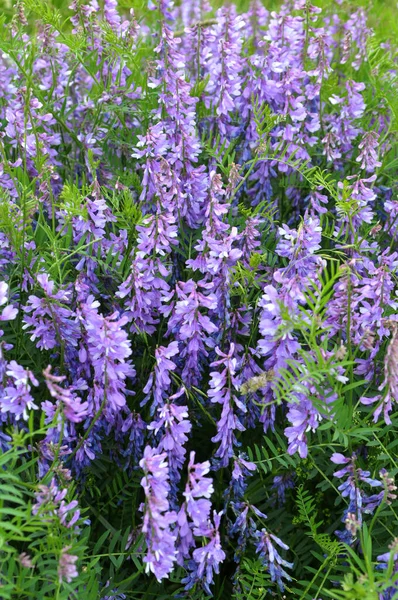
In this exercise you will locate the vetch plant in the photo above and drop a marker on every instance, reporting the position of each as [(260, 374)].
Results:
[(198, 299)]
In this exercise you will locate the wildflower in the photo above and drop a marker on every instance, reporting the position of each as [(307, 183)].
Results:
[(8, 313), (108, 349), (357, 26), (144, 289), (346, 47), (67, 569), (111, 14), (192, 327), (271, 558), (352, 523), (157, 234), (174, 424), (74, 410), (243, 468), (303, 418), (222, 386), (389, 487), (195, 510), (16, 398), (359, 501), (26, 560), (389, 386), (159, 381), (282, 483), (384, 561), (192, 216), (160, 540), (224, 66), (51, 500), (207, 559), (50, 319), (115, 595), (300, 246), (368, 155)]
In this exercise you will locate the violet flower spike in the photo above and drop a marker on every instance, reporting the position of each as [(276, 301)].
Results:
[(160, 539)]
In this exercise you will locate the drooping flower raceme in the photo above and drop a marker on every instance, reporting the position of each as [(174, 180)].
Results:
[(274, 563), (173, 426), (74, 409), (16, 398), (194, 513), (192, 327), (359, 501), (207, 559), (389, 386), (49, 319), (159, 382), (223, 390), (160, 540), (108, 349), (50, 500), (67, 569)]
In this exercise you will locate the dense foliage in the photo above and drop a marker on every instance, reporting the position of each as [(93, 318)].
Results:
[(198, 290)]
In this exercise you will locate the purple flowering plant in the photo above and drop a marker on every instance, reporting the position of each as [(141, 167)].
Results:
[(198, 299)]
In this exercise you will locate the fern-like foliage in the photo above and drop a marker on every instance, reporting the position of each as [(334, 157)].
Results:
[(252, 581)]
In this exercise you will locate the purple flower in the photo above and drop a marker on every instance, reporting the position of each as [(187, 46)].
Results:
[(218, 251), (133, 429), (144, 288), (389, 386), (223, 386), (50, 501), (250, 238), (157, 234), (389, 487), (115, 595), (359, 501), (73, 408), (243, 469), (282, 483), (303, 418), (206, 560), (273, 562), (108, 349), (26, 560), (174, 426), (243, 528), (83, 13), (165, 8), (368, 155), (359, 30), (300, 246), (176, 223), (278, 342), (384, 561), (160, 540), (15, 398), (67, 569), (192, 327), (20, 114), (195, 510), (8, 312), (159, 381), (224, 66), (111, 14), (50, 319), (152, 147)]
